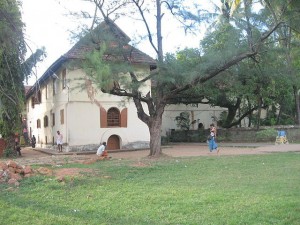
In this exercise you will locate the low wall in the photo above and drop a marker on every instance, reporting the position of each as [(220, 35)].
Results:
[(235, 135)]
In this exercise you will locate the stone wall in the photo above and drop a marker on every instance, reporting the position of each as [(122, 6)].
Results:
[(264, 134)]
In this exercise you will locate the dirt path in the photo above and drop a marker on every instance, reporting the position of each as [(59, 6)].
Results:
[(34, 157), (30, 157)]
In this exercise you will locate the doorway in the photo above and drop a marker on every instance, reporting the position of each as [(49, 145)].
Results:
[(113, 142)]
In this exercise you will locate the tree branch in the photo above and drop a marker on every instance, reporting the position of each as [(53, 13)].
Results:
[(136, 2), (235, 60)]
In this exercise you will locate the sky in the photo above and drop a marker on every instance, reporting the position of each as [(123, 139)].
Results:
[(48, 25)]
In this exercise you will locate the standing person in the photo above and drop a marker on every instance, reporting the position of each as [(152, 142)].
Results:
[(16, 139), (101, 151), (59, 141), (18, 149), (25, 134), (17, 145), (212, 145), (33, 141)]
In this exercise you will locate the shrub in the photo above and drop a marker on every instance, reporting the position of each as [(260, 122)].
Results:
[(266, 134)]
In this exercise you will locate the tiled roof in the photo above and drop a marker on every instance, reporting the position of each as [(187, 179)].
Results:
[(118, 45), (127, 53), (108, 31)]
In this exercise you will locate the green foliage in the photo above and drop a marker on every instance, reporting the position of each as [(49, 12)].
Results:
[(107, 74), (222, 118), (195, 136), (8, 152), (259, 82), (254, 189), (266, 133), (14, 69), (272, 118), (165, 140), (12, 52), (223, 42)]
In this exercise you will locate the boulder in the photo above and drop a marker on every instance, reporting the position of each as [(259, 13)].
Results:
[(11, 172), (12, 164), (3, 166)]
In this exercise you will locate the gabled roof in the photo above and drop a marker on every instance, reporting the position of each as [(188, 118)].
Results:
[(109, 33), (107, 30)]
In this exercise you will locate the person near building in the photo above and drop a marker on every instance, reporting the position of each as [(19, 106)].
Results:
[(25, 134), (102, 152), (59, 141), (33, 141)]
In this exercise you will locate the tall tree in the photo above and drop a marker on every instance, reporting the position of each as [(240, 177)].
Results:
[(287, 37), (169, 79), (14, 69)]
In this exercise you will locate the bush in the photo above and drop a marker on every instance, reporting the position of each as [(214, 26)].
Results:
[(9, 152), (267, 134), (164, 140)]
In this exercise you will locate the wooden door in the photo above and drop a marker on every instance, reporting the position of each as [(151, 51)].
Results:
[(113, 143)]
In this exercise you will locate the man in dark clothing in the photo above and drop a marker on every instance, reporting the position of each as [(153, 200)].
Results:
[(33, 141)]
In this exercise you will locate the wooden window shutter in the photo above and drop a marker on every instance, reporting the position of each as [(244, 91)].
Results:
[(62, 119), (124, 117), (103, 118)]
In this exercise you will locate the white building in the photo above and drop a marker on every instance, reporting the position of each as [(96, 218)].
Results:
[(65, 100)]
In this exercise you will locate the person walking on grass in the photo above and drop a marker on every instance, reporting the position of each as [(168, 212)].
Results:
[(59, 141), (212, 144)]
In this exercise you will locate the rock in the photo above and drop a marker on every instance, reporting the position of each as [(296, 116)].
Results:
[(12, 169), (28, 175), (12, 173), (27, 170), (12, 164), (5, 175), (45, 171), (19, 171), (3, 166), (13, 181), (15, 176)]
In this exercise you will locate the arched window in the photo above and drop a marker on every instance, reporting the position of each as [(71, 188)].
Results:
[(113, 117), (122, 117), (45, 121)]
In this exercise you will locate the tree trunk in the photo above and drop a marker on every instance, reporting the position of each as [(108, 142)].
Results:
[(155, 136), (297, 104), (230, 116), (258, 112), (153, 120)]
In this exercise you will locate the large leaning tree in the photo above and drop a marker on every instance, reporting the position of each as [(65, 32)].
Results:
[(14, 68), (171, 78), (261, 82)]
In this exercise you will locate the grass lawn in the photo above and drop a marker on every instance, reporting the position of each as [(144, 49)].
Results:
[(247, 189)]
